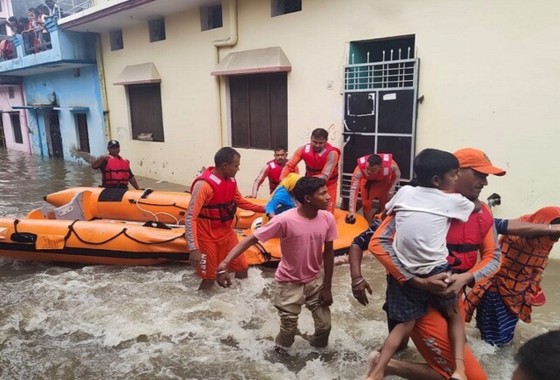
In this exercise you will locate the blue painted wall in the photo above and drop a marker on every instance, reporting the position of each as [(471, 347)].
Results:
[(69, 91)]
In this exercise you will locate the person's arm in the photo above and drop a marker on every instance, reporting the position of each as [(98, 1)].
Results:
[(354, 189), (133, 182), (330, 166), (292, 164), (258, 181), (221, 272), (325, 297), (245, 204), (381, 246), (201, 192), (357, 282), (521, 228), (99, 161), (397, 178)]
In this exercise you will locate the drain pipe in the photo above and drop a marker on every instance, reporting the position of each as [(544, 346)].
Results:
[(231, 41), (103, 87)]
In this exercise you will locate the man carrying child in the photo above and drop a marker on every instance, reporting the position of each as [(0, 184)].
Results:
[(423, 215)]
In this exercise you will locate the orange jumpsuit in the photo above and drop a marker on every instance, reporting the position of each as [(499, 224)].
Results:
[(214, 242), (382, 189), (430, 332)]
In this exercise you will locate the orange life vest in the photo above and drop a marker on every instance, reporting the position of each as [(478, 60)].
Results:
[(464, 239), (384, 171), (221, 208), (274, 171), (315, 162), (116, 172)]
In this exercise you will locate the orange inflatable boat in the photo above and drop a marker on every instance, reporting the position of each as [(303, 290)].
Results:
[(88, 230), (114, 242), (136, 205)]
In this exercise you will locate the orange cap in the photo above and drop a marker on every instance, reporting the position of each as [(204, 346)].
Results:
[(477, 160)]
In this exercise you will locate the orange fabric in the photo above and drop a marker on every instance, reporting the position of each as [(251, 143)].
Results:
[(370, 190), (430, 332), (202, 229), (431, 339), (329, 170), (213, 252), (523, 261)]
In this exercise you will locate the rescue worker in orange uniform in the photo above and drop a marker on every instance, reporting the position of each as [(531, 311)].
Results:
[(114, 168), (466, 242), (321, 160), (210, 215), (272, 171), (376, 176)]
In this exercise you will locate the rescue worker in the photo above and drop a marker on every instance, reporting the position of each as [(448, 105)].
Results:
[(375, 177), (474, 256), (210, 215), (272, 171), (115, 170), (321, 160)]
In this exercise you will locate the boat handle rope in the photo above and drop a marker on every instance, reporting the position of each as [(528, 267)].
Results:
[(72, 230), (262, 250), (155, 214)]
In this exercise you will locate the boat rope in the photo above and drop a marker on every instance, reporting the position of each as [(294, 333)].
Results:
[(262, 250), (72, 230), (155, 214)]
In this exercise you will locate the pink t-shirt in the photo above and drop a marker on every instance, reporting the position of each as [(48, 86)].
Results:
[(302, 241)]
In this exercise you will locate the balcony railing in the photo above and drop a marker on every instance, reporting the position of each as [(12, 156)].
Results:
[(69, 7)]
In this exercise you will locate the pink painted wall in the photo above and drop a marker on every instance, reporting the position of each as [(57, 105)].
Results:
[(8, 99)]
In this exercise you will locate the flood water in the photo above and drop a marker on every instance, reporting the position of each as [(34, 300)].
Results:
[(101, 322)]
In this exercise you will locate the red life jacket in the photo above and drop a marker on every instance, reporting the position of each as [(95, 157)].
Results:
[(384, 171), (221, 208), (116, 172), (274, 171), (315, 162), (464, 239)]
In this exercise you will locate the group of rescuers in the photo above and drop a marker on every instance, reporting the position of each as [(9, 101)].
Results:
[(448, 242)]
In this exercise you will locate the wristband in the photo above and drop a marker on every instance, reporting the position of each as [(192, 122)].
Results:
[(358, 283), (221, 272)]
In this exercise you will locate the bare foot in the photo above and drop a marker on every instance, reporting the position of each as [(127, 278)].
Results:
[(372, 360)]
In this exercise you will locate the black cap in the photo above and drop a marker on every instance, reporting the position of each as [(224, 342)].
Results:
[(113, 143)]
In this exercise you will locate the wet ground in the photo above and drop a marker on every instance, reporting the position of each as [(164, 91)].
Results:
[(101, 322)]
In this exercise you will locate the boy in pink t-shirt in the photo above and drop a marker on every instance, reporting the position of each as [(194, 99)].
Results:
[(306, 238)]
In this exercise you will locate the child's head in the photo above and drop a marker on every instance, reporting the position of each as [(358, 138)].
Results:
[(436, 168), (312, 191)]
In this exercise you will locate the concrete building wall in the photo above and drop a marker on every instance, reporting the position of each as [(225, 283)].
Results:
[(70, 92), (11, 96), (488, 76)]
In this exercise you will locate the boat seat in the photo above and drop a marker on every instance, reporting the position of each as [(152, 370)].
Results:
[(75, 209)]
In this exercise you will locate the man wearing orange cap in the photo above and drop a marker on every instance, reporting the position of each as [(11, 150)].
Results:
[(465, 241)]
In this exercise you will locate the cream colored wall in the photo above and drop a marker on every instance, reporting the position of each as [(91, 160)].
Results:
[(488, 74)]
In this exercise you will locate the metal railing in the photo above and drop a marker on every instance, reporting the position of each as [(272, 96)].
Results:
[(69, 7)]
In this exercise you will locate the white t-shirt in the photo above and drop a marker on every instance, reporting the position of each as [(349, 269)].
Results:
[(423, 216)]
